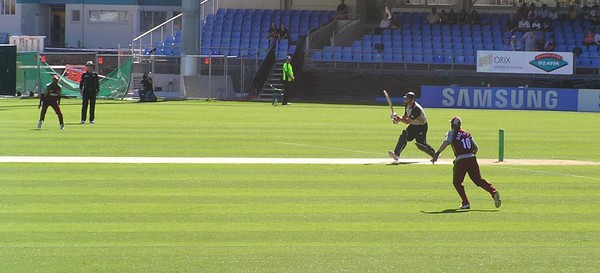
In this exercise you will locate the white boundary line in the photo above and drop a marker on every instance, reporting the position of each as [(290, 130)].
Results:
[(252, 160)]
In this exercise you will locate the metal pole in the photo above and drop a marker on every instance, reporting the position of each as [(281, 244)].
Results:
[(209, 74), (226, 75), (501, 145)]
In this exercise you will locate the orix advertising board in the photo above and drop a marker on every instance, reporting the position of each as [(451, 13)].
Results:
[(557, 63)]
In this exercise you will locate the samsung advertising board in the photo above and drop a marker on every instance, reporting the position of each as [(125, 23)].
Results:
[(548, 63), (471, 97)]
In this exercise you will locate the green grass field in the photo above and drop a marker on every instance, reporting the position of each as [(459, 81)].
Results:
[(64, 217)]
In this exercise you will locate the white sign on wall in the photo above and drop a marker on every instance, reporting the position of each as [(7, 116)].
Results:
[(589, 100), (557, 63)]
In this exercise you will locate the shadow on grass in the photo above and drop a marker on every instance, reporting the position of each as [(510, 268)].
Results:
[(402, 163), (459, 211), (392, 163)]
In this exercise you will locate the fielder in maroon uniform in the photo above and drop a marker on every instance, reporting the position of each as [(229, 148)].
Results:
[(51, 98), (465, 149)]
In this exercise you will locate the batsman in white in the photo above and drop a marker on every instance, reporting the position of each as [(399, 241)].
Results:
[(414, 116)]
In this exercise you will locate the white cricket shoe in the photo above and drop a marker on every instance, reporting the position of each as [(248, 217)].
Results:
[(62, 126), (40, 124), (83, 121), (92, 122), (466, 206), (393, 155), (497, 201)]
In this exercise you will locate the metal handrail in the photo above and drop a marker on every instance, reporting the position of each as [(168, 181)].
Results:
[(157, 27), (215, 5)]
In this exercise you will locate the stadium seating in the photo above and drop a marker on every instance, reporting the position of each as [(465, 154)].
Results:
[(418, 42), (243, 32)]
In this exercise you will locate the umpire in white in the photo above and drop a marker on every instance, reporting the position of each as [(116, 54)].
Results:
[(414, 116)]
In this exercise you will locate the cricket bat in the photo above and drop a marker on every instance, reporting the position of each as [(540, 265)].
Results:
[(389, 101)]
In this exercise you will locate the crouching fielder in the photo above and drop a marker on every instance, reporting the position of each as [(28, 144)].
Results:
[(50, 97), (465, 149)]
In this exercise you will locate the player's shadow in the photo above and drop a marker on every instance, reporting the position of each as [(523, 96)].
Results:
[(402, 162), (459, 211)]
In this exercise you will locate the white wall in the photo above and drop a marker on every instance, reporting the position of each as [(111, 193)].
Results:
[(10, 24), (33, 19), (106, 35)]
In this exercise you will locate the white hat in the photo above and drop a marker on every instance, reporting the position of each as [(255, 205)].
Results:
[(288, 57), (89, 63), (409, 95)]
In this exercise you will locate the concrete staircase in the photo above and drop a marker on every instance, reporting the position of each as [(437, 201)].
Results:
[(266, 93)]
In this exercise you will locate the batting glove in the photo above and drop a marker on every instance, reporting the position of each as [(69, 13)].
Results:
[(394, 116)]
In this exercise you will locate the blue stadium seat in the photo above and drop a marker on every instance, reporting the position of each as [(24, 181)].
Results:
[(317, 56), (347, 54), (469, 59)]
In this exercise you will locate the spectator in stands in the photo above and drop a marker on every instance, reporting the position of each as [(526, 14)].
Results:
[(523, 10), (433, 17), (545, 25), (342, 11), (452, 17), (386, 10), (273, 32), (385, 22), (283, 32), (515, 44), (553, 15), (396, 22), (532, 13), (475, 19), (585, 14), (595, 15), (463, 17), (597, 38), (512, 24), (537, 25), (443, 17), (550, 44), (588, 38), (572, 13), (529, 40), (506, 46), (524, 25), (543, 13), (540, 43)]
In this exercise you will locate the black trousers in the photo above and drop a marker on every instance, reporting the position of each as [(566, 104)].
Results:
[(412, 132), (287, 90), (91, 100)]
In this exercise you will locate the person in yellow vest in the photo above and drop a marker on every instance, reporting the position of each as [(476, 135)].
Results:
[(288, 78)]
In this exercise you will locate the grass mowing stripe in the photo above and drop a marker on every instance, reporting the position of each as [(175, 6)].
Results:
[(328, 148), (289, 218), (553, 173)]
